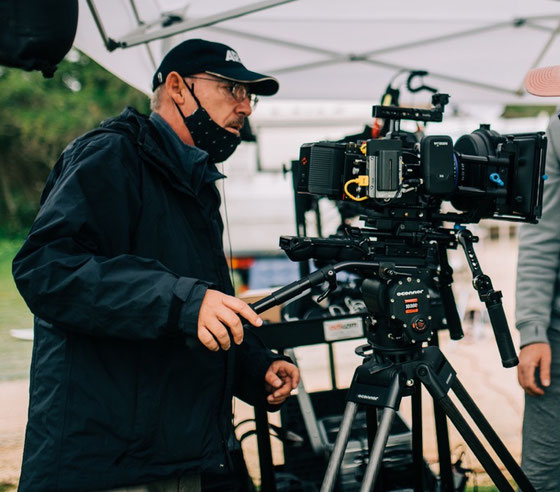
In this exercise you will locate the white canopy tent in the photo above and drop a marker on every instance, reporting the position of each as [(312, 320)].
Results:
[(322, 49), (324, 52)]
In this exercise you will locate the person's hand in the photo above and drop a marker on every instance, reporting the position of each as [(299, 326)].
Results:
[(531, 357), (280, 379), (218, 314)]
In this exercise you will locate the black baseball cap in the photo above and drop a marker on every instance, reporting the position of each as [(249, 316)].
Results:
[(198, 56)]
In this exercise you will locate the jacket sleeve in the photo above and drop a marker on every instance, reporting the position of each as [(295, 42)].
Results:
[(252, 361), (75, 269), (539, 253)]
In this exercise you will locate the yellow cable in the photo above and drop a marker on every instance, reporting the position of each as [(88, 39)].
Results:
[(363, 180), (363, 148), (360, 181), (387, 100)]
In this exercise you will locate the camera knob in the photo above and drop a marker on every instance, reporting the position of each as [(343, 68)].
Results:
[(420, 325)]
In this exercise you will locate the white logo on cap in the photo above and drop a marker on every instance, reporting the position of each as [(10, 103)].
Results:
[(232, 56)]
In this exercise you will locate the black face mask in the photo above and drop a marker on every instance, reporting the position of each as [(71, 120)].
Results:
[(208, 135)]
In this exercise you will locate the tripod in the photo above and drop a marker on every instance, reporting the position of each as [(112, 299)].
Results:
[(397, 363), (381, 382)]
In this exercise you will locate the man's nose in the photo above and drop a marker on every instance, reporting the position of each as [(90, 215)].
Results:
[(244, 107)]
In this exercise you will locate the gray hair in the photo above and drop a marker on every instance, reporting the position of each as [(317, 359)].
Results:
[(155, 101)]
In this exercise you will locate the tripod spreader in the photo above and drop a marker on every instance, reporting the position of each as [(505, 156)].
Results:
[(492, 299)]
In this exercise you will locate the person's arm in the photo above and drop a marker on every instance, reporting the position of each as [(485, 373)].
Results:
[(219, 323), (261, 373), (534, 357), (281, 378), (75, 271), (537, 273)]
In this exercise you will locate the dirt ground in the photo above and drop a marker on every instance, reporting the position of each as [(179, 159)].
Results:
[(13, 415)]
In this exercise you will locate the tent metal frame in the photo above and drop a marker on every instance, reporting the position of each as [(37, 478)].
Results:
[(170, 24)]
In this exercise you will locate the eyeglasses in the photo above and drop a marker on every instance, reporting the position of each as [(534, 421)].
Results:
[(238, 91)]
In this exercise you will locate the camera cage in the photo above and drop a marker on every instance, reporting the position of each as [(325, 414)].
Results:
[(484, 175)]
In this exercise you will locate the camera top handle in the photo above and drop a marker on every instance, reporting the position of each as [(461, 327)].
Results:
[(414, 114)]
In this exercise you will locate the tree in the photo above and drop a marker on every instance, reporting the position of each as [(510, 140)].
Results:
[(39, 117)]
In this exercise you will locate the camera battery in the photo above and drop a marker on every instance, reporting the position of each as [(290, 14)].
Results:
[(384, 158)]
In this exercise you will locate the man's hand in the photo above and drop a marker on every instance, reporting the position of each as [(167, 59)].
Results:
[(281, 378), (531, 357), (218, 313)]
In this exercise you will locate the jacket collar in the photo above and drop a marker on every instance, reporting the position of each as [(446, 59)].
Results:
[(153, 150)]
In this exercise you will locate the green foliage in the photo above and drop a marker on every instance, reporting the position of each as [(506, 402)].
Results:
[(39, 117), (15, 355), (518, 111)]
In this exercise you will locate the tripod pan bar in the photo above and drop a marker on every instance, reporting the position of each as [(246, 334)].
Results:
[(327, 273)]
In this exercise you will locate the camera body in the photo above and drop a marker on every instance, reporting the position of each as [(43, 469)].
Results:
[(483, 175)]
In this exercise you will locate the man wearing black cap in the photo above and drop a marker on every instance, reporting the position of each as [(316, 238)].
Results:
[(538, 311), (138, 342)]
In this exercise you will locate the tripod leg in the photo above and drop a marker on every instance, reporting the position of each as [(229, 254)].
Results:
[(492, 438), (474, 443), (442, 432), (444, 452), (382, 435), (417, 445), (372, 426), (447, 483), (339, 447), (379, 443), (438, 376), (371, 422)]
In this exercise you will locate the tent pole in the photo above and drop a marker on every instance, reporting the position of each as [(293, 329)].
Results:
[(98, 23), (130, 40)]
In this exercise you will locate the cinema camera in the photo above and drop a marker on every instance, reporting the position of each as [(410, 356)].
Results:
[(398, 185), (484, 175)]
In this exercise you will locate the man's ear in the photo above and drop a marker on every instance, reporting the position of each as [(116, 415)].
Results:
[(175, 87)]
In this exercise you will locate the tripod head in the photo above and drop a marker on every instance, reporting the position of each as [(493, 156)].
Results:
[(406, 274)]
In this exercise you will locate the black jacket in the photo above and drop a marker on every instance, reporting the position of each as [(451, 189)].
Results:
[(115, 268)]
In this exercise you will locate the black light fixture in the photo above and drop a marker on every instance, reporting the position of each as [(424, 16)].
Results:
[(37, 34)]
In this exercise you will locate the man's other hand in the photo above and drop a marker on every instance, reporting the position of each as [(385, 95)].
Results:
[(281, 378), (532, 357), (218, 314)]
